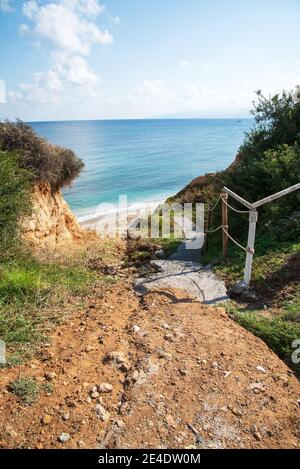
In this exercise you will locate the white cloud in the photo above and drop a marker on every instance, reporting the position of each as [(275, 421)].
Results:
[(151, 90), (69, 28), (72, 75), (64, 25), (184, 64), (116, 20), (2, 92), (89, 8), (24, 29), (5, 6), (195, 92)]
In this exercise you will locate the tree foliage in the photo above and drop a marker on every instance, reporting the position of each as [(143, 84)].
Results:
[(269, 159), (44, 161)]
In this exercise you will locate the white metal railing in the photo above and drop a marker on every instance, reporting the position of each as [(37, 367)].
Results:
[(253, 217)]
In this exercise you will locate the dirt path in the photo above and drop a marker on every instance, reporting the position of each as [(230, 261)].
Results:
[(183, 375)]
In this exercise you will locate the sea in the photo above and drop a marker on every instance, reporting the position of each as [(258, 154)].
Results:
[(143, 160)]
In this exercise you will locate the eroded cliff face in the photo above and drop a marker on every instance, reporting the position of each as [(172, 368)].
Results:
[(52, 221)]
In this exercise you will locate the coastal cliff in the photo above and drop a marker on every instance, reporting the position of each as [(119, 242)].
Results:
[(52, 221), (33, 172)]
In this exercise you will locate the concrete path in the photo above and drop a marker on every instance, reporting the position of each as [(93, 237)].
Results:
[(183, 271)]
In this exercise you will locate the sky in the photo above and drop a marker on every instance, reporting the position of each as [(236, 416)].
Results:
[(84, 59)]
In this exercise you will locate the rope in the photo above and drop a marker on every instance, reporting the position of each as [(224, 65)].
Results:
[(233, 240), (213, 208), (213, 231), (235, 209)]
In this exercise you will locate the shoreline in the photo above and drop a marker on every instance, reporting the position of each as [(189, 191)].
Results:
[(135, 210)]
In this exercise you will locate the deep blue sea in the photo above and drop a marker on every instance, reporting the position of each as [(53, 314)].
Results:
[(147, 160)]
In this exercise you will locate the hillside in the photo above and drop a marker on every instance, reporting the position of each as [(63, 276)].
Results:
[(91, 364), (267, 162)]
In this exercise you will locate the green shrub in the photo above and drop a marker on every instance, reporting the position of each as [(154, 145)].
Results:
[(269, 159), (26, 388), (14, 198), (45, 162)]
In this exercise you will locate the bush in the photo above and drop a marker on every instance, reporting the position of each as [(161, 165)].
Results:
[(44, 161), (269, 159), (14, 198)]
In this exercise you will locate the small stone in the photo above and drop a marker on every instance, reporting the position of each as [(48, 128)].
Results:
[(80, 444), (182, 371), (50, 376), (11, 432), (94, 395), (256, 387), (102, 413), (257, 436), (124, 367), (169, 337), (170, 421), (120, 423), (238, 288), (236, 411), (136, 329), (160, 253), (66, 416), (105, 387), (215, 365), (161, 353), (47, 419), (64, 437), (115, 356), (261, 369), (165, 326)]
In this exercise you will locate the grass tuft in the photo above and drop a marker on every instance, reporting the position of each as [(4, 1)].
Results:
[(26, 389)]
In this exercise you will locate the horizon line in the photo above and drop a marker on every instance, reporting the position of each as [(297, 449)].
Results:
[(136, 119)]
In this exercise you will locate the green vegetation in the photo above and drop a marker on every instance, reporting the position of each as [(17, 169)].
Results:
[(14, 199), (268, 161), (141, 250), (36, 294), (26, 388), (169, 245), (44, 162), (278, 332)]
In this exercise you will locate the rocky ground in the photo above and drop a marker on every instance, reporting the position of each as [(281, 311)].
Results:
[(157, 371)]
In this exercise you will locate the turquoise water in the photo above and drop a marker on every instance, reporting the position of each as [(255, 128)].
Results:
[(148, 160)]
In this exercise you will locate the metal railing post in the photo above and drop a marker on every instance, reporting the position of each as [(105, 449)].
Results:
[(224, 197), (253, 215)]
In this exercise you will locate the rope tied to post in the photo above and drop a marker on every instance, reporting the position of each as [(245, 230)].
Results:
[(233, 240)]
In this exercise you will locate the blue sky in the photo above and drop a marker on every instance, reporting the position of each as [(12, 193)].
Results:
[(84, 59)]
